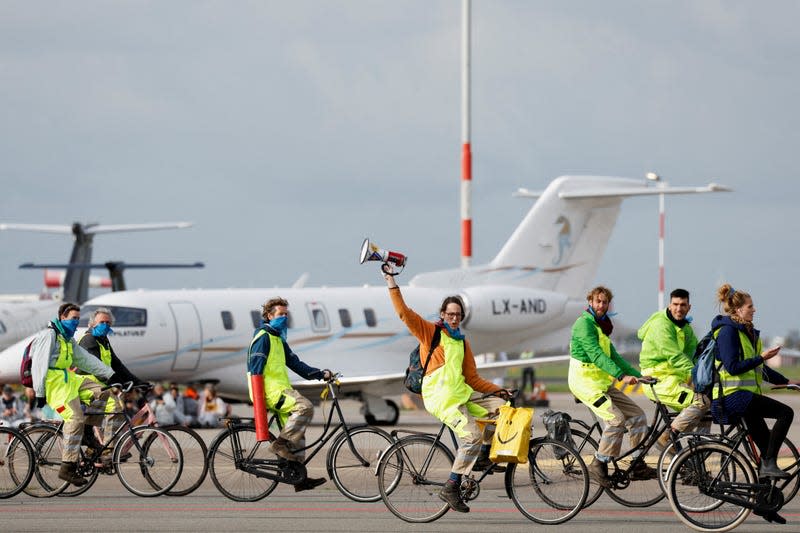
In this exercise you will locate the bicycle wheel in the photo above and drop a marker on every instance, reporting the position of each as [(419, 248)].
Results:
[(155, 463), (586, 447), (787, 460), (703, 466), (410, 475), (195, 467), (17, 462), (640, 493), (351, 476), (226, 455), (48, 447), (556, 476)]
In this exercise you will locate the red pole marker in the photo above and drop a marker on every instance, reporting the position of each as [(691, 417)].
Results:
[(259, 408)]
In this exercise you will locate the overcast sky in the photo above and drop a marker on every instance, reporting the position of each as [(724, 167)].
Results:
[(289, 131)]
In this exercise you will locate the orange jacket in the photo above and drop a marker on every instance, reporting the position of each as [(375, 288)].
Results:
[(423, 331)]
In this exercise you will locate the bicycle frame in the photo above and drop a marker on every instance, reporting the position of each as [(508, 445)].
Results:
[(661, 423)]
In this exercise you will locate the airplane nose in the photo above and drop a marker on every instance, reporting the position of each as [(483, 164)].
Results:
[(10, 359)]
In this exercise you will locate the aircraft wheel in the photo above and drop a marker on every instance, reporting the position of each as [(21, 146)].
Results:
[(394, 416)]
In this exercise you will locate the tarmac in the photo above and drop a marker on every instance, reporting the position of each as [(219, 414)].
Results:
[(108, 506)]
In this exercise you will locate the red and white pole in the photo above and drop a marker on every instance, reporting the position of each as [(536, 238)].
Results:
[(466, 150), (661, 223)]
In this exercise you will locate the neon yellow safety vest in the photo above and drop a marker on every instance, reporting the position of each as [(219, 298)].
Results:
[(748, 381), (587, 381), (105, 353), (61, 384), (276, 377), (445, 389)]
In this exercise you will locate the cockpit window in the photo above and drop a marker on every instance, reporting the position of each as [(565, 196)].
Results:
[(124, 317)]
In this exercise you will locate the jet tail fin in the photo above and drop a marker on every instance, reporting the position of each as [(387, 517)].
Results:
[(560, 242)]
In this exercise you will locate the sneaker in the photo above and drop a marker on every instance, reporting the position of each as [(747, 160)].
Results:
[(281, 449), (483, 463), (642, 472), (598, 472), (452, 496), (309, 483)]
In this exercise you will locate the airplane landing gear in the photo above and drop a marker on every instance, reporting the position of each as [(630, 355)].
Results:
[(379, 411)]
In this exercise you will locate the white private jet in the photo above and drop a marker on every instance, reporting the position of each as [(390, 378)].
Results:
[(524, 299), (23, 315)]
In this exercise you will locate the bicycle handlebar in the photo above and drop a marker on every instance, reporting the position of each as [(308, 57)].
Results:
[(789, 386)]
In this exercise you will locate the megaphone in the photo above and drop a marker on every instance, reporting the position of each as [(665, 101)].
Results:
[(372, 252)]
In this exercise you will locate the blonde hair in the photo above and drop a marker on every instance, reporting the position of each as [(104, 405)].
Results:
[(731, 299), (599, 290)]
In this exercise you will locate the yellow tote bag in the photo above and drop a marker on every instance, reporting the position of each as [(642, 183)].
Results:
[(513, 434)]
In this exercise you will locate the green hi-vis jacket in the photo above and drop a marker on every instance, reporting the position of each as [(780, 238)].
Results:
[(667, 349), (590, 345)]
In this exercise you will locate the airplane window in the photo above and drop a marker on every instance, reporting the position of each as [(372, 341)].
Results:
[(129, 317), (369, 315), (227, 319), (320, 320), (2, 327), (256, 317), (344, 317)]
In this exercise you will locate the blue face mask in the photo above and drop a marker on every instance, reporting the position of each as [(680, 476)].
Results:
[(101, 330), (280, 325), (70, 326)]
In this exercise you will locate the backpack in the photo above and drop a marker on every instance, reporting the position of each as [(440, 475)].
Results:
[(705, 370), (415, 371), (25, 371)]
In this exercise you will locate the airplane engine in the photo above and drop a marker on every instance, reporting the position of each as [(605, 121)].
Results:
[(507, 308)]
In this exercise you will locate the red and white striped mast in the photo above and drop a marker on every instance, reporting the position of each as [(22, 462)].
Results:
[(466, 151)]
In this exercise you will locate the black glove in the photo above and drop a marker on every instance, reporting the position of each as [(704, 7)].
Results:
[(40, 402), (116, 378)]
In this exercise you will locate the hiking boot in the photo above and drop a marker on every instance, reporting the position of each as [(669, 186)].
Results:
[(483, 463), (309, 483), (280, 448), (642, 472), (67, 473), (769, 468), (598, 472), (452, 496)]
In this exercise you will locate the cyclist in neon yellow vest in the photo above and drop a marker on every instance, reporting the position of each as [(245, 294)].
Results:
[(593, 367), (95, 341), (668, 346), (743, 370), (269, 355), (54, 353), (452, 390)]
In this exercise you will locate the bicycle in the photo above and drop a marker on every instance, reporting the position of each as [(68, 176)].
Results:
[(737, 437), (193, 448), (17, 462), (138, 452), (414, 469), (648, 492), (245, 470), (713, 486)]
